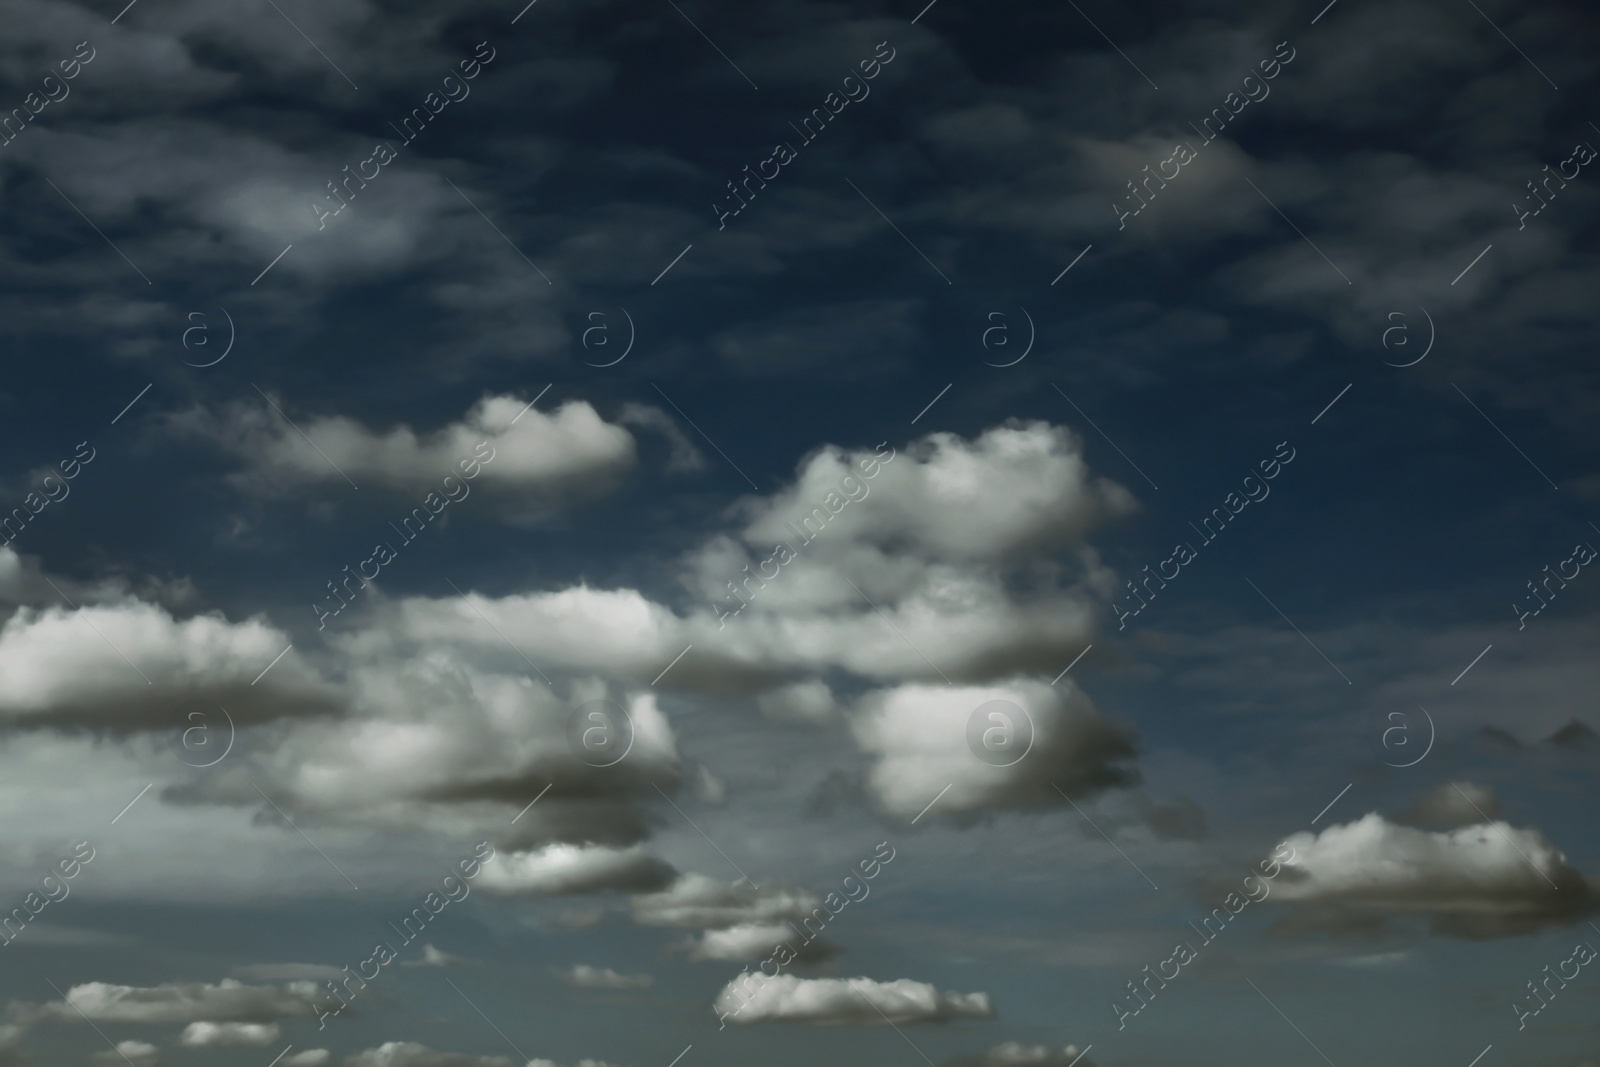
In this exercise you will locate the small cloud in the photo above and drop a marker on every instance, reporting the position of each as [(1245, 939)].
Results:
[(138, 1053), (586, 977), (208, 1034), (831, 1001)]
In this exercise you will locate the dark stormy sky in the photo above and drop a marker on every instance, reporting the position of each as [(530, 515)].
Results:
[(650, 532)]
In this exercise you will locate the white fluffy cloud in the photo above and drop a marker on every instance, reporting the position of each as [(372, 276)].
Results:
[(586, 977), (563, 868), (203, 1034), (227, 1001), (567, 449), (131, 665), (847, 1000), (923, 735), (1481, 880)]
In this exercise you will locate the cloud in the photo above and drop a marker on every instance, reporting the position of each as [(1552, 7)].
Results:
[(432, 957), (749, 942), (204, 1034), (810, 701), (859, 1001), (65, 668), (227, 1001), (412, 1054), (586, 977), (1487, 880), (138, 1053), (1016, 1054), (698, 900), (684, 456), (1455, 804), (563, 868), (311, 1057), (921, 738), (500, 442)]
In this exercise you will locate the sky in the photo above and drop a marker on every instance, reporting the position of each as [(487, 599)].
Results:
[(671, 533)]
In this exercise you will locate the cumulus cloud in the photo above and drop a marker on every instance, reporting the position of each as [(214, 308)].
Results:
[(859, 1001), (563, 868), (1487, 880), (522, 448), (750, 942), (1018, 486), (586, 977), (138, 1053), (85, 668), (228, 1001), (698, 900), (922, 738), (311, 1057), (203, 1034)]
